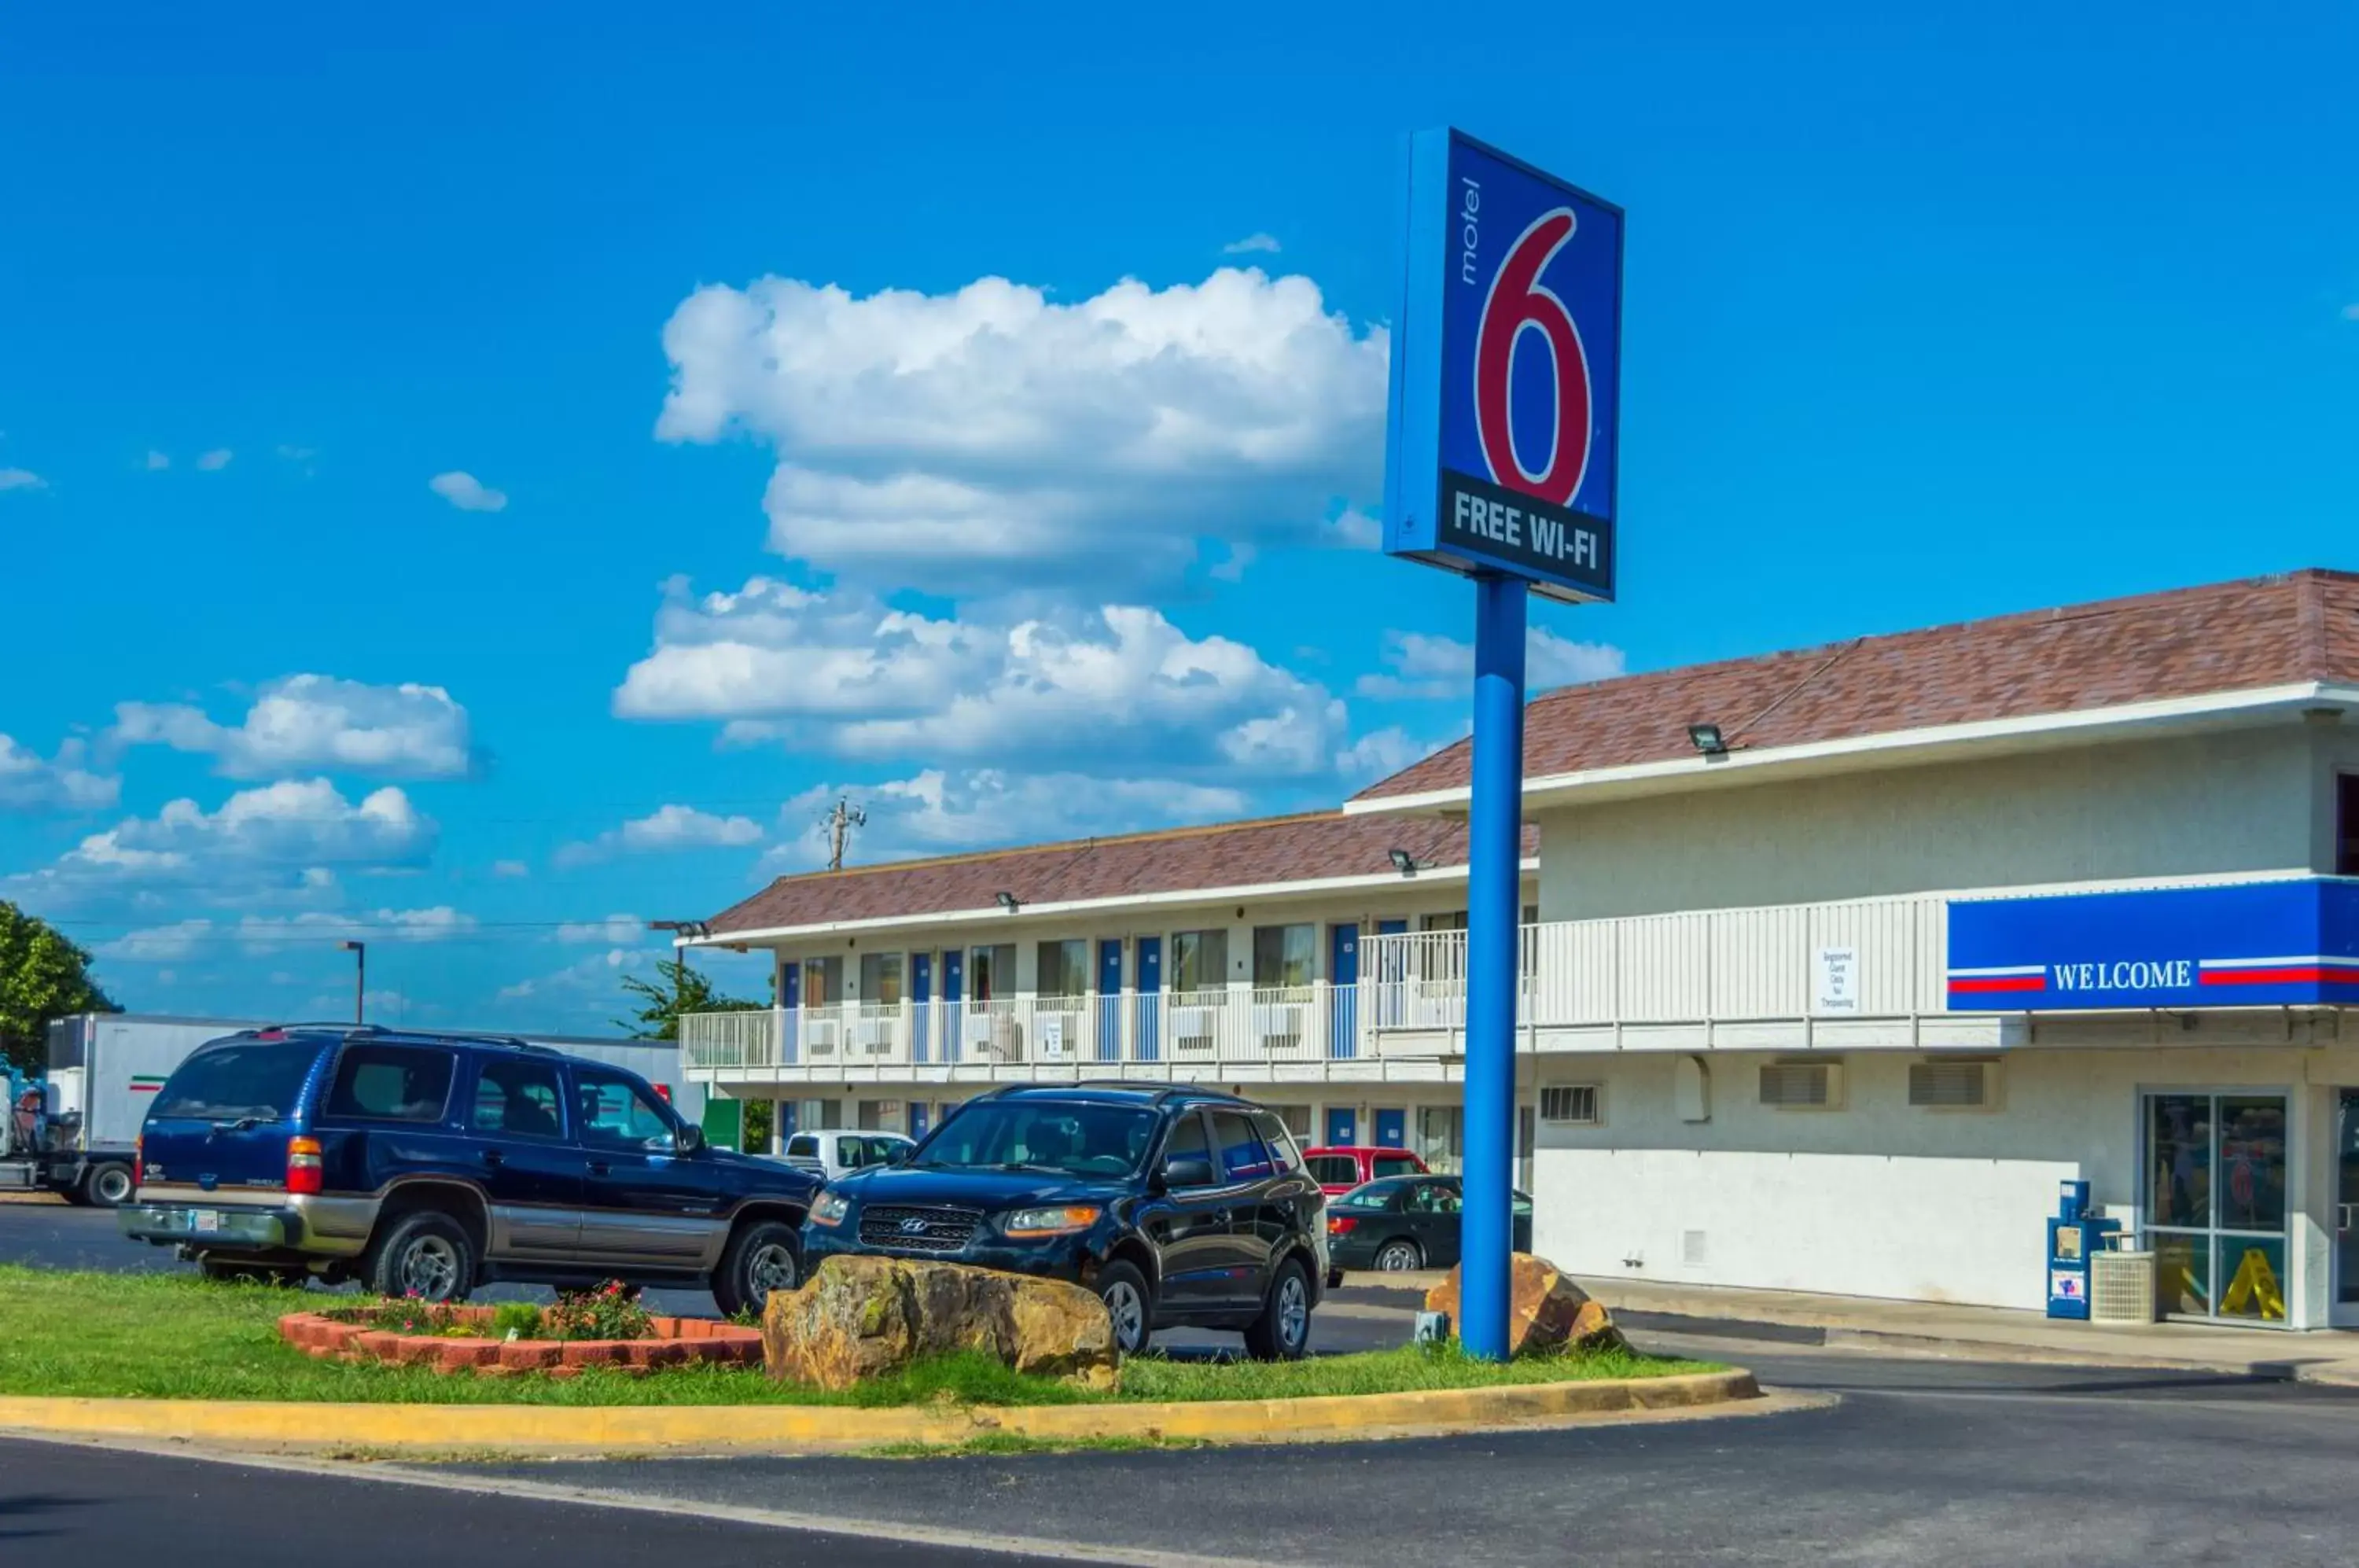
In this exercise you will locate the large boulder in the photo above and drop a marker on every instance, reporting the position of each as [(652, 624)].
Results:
[(857, 1318), (1545, 1310)]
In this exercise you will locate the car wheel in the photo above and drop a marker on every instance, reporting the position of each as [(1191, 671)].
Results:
[(426, 1255), (1282, 1332), (762, 1260), (107, 1186), (1398, 1257), (1130, 1305)]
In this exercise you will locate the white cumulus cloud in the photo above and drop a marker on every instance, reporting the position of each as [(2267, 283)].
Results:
[(21, 479), (862, 679), (213, 461), (989, 436), (304, 722), (937, 812), (28, 782), (157, 462), (467, 492), (1252, 243), (1424, 666), (510, 868), (666, 828), (272, 933), (614, 930)]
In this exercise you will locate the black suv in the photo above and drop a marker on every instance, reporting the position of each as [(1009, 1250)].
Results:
[(425, 1164), (1177, 1206)]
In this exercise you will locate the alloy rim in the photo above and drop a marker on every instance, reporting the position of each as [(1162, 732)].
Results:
[(1129, 1314), (1396, 1259), (1293, 1309), (771, 1269), (113, 1186), (429, 1268)]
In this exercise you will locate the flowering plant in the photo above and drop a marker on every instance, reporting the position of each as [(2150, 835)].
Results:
[(610, 1312)]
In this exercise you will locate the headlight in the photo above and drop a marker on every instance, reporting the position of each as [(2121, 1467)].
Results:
[(1056, 1221), (831, 1209)]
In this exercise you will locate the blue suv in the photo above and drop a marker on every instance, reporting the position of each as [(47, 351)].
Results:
[(1177, 1206), (426, 1164)]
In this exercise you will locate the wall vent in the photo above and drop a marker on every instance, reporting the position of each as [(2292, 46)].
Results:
[(1691, 1249), (1572, 1104), (1953, 1084), (1802, 1085)]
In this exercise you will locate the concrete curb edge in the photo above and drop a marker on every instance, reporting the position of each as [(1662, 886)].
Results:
[(551, 1429)]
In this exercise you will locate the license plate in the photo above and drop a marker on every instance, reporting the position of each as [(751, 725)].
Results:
[(205, 1222)]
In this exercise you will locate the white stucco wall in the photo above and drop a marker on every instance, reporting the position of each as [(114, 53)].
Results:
[(1884, 1200), (2231, 801)]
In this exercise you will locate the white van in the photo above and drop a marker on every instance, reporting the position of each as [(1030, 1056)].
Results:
[(828, 1155)]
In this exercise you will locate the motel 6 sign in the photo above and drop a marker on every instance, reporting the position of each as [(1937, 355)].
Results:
[(1507, 359)]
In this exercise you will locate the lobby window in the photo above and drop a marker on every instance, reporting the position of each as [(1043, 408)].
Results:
[(1064, 969), (2346, 831), (880, 977), (1199, 960), (1281, 955)]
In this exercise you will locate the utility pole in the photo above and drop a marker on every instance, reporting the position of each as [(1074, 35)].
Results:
[(840, 823), (359, 949)]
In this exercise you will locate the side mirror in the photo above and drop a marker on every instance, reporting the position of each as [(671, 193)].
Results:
[(1186, 1171), (691, 1140)]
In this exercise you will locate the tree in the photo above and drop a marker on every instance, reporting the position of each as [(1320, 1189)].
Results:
[(42, 976), (678, 990)]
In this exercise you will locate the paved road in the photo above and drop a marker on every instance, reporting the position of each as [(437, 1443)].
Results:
[(78, 1508)]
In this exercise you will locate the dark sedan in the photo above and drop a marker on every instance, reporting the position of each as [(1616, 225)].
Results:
[(1400, 1222)]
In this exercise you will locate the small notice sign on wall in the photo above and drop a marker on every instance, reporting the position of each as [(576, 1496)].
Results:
[(1837, 990)]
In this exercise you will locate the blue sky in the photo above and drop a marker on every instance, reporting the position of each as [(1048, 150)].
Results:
[(463, 479)]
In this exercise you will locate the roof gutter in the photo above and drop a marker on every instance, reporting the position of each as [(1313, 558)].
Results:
[(1895, 748), (994, 913)]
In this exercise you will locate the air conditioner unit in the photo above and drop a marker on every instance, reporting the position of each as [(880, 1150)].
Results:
[(977, 1032), (1954, 1083), (1802, 1085), (822, 1035), (874, 1036), (1280, 1025)]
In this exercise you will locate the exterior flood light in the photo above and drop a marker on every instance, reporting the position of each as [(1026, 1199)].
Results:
[(1007, 901), (1707, 739), (1404, 862)]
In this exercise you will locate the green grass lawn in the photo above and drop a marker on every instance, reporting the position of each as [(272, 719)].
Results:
[(172, 1336)]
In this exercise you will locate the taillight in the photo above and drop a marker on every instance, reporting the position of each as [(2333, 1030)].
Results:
[(303, 1170), (138, 1162), (1341, 1225)]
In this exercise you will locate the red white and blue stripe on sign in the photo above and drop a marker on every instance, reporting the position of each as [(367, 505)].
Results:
[(2288, 942)]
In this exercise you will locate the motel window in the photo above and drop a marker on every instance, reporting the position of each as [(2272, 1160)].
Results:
[(1199, 960), (1454, 920), (2346, 816), (880, 977), (1064, 969), (823, 982), (1281, 955), (991, 973)]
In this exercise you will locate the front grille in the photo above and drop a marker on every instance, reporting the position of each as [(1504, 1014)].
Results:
[(918, 1230)]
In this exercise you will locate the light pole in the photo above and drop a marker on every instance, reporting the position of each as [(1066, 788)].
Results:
[(359, 949)]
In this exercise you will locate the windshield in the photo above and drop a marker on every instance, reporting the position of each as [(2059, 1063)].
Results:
[(232, 1082), (1073, 1137)]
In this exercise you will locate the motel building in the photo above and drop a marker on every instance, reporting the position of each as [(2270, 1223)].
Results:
[(1836, 962)]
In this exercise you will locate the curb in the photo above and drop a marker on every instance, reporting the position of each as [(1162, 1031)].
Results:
[(555, 1428)]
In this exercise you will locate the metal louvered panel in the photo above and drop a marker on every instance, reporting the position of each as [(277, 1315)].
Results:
[(1954, 1085), (1802, 1085)]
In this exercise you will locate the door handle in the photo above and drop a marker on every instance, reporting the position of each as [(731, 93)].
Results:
[(600, 1168), (495, 1159)]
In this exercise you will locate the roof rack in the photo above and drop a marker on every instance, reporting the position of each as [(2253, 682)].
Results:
[(347, 1027), (1161, 1091)]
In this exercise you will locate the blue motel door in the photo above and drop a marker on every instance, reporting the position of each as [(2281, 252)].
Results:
[(1392, 1129), (1109, 1020), (1149, 999), (954, 992), (1343, 1126), (1343, 979), (921, 991)]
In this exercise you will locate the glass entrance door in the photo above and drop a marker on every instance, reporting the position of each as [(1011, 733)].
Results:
[(2346, 1211), (2216, 1205)]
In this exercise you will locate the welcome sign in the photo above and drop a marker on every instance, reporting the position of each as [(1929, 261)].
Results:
[(2288, 943)]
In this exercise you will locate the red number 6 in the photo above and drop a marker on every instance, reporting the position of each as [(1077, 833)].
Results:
[(1518, 301)]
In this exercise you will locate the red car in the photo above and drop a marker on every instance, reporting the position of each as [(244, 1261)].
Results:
[(1345, 1167)]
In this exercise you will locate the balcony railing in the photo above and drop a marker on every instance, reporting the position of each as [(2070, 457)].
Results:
[(1724, 966)]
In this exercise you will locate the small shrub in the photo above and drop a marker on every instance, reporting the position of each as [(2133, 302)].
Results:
[(516, 1319), (610, 1312)]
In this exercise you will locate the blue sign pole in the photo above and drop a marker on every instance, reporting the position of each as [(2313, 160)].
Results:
[(1500, 460), (1494, 936)]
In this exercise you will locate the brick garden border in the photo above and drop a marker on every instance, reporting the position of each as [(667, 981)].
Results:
[(676, 1342)]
